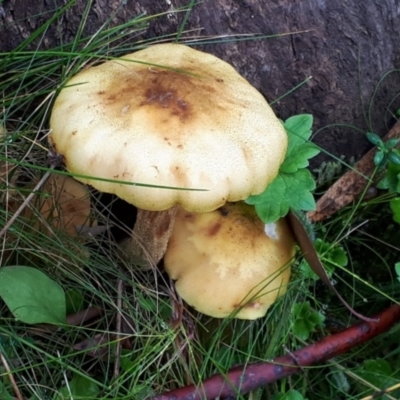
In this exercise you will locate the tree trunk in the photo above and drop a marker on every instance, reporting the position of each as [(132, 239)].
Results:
[(345, 46)]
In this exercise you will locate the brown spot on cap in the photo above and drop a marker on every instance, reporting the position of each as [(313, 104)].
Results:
[(168, 90)]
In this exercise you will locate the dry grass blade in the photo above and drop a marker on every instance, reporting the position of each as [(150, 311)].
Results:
[(11, 377), (382, 392), (25, 203), (350, 185)]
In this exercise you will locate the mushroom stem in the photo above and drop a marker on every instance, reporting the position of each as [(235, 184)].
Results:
[(151, 234)]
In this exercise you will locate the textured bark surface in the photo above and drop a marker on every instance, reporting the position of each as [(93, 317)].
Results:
[(347, 47)]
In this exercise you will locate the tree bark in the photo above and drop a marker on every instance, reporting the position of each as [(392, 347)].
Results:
[(345, 46)]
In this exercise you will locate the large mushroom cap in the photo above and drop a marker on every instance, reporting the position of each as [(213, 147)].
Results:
[(201, 127), (226, 262)]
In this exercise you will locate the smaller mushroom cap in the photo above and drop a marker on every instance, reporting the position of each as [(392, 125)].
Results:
[(190, 122), (227, 262), (63, 203)]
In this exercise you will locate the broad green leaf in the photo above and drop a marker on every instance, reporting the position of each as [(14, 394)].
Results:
[(78, 388), (286, 191), (397, 269), (32, 296), (4, 393), (395, 207), (379, 372), (290, 395), (74, 301)]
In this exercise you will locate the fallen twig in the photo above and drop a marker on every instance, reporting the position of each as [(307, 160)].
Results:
[(243, 379), (382, 392), (350, 185)]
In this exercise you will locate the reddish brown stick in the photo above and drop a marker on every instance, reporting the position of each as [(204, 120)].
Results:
[(350, 185), (243, 379)]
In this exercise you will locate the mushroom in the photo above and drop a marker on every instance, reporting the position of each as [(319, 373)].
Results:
[(227, 262), (62, 203), (68, 207), (172, 117)]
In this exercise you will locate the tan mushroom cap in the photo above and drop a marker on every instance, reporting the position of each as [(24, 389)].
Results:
[(202, 127), (228, 258), (63, 204)]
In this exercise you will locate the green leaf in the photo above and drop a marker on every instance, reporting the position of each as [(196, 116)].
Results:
[(378, 158), (79, 387), (305, 320), (391, 180), (291, 189), (383, 184), (286, 191), (374, 139), (32, 296), (394, 157), (290, 395), (4, 393), (299, 128), (74, 301), (379, 372), (395, 207), (397, 269), (331, 256), (299, 158), (391, 143)]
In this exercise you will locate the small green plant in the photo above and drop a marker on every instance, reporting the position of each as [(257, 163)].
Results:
[(381, 374), (387, 156), (305, 320), (391, 183), (290, 395), (331, 256), (292, 188), (386, 150), (391, 178), (79, 387), (397, 269)]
